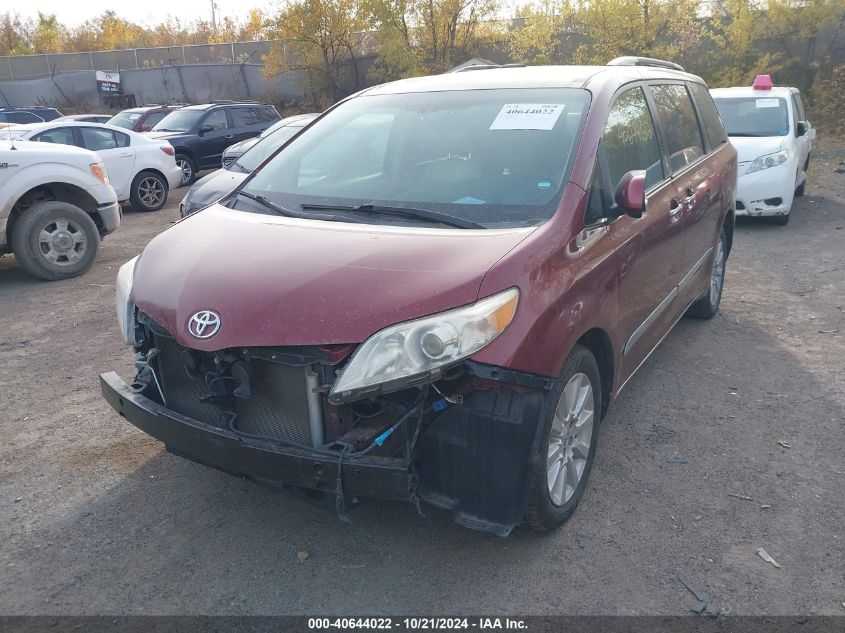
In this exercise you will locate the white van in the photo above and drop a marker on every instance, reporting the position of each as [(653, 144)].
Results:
[(773, 139)]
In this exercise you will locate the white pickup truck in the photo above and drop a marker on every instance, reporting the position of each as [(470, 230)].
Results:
[(55, 205)]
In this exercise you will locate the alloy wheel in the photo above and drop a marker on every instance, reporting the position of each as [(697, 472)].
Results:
[(187, 170), (570, 438), (151, 191), (718, 274)]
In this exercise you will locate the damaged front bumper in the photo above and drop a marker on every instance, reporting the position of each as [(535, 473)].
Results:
[(474, 459), (264, 461)]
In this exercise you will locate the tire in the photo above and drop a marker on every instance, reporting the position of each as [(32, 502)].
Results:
[(70, 252), (800, 190), (188, 167), (550, 502), (708, 305), (780, 220), (148, 192)]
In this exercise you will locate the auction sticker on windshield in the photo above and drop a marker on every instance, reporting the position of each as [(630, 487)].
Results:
[(527, 116), (768, 103)]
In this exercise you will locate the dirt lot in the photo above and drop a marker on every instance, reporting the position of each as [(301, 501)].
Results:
[(95, 517)]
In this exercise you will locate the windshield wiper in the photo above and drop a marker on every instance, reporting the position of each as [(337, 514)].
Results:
[(405, 212), (264, 202), (269, 204)]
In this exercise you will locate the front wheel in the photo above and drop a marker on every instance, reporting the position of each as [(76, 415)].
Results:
[(55, 240), (568, 446), (708, 305)]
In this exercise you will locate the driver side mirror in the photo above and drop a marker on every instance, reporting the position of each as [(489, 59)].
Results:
[(630, 193), (206, 128), (801, 128)]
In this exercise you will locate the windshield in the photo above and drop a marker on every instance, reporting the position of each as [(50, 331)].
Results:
[(754, 116), (124, 119), (492, 157), (178, 121), (259, 152)]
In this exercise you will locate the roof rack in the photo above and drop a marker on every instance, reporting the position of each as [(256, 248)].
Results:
[(234, 101), (631, 60), (486, 67)]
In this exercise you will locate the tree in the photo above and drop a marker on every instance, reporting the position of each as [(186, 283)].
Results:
[(427, 36), (49, 35), (537, 38), (15, 34), (319, 37)]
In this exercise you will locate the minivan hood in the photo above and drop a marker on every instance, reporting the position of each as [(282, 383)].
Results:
[(750, 147), (278, 281)]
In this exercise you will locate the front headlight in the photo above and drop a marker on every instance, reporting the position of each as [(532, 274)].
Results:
[(768, 160), (125, 308), (419, 349)]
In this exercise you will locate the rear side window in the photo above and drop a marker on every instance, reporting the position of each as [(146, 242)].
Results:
[(710, 118), (97, 139), (217, 120), (629, 140), (798, 107), (266, 113), (679, 125), (61, 136), (242, 117), (154, 118)]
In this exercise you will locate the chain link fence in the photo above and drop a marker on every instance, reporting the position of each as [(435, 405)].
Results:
[(38, 66)]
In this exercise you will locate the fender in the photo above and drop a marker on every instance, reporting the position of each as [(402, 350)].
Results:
[(566, 290), (27, 177)]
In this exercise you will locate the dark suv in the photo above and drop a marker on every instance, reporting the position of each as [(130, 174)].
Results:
[(143, 118), (200, 133), (33, 114)]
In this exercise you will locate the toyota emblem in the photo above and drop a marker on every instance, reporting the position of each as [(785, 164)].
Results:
[(204, 324)]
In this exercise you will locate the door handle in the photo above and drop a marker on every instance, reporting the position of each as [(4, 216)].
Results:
[(129, 155), (675, 207), (689, 198)]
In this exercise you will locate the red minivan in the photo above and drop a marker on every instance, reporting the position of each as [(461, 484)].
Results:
[(435, 291)]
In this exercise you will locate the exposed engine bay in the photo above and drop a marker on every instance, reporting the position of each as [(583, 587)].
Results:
[(280, 395)]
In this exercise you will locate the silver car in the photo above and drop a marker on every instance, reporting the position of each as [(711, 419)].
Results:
[(233, 152), (218, 183)]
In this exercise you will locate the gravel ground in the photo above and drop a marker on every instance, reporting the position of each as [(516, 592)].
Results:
[(96, 518)]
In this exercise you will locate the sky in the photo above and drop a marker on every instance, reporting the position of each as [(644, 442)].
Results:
[(145, 12)]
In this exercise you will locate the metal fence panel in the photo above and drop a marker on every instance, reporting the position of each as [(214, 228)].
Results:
[(115, 60), (253, 52), (208, 54), (29, 66), (70, 62), (158, 57)]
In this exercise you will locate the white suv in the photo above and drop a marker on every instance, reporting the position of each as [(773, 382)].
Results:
[(142, 170), (773, 139), (55, 205)]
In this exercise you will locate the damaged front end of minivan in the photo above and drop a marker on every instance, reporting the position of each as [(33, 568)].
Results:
[(404, 415)]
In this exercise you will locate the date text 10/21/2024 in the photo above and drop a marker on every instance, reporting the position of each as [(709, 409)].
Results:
[(417, 623)]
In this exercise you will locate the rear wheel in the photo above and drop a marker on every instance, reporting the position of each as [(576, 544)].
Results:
[(569, 443), (188, 167), (149, 192), (708, 305), (55, 240)]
